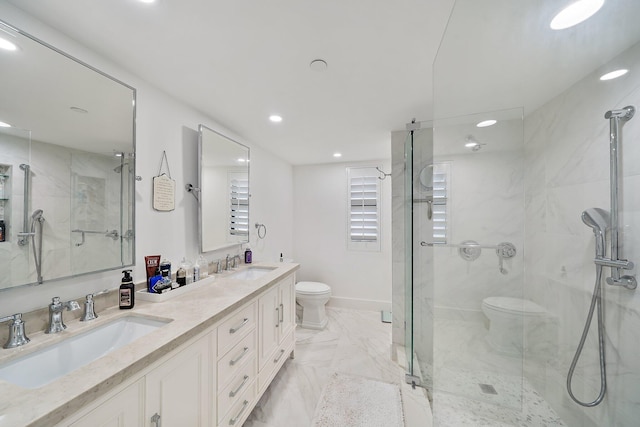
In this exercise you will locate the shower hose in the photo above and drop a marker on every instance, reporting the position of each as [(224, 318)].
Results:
[(596, 301)]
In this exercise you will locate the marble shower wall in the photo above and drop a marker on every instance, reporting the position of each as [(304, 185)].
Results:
[(486, 203), (567, 158), (75, 190)]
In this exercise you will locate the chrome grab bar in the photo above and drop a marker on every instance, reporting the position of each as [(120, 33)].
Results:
[(113, 234)]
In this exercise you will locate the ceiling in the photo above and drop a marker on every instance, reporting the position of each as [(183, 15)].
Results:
[(243, 60)]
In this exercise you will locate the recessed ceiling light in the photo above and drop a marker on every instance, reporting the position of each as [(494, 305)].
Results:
[(147, 1), (7, 45), (275, 118), (4, 125), (486, 123), (336, 155), (318, 65), (575, 13), (614, 74), (241, 160)]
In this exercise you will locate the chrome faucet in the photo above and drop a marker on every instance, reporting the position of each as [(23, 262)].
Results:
[(89, 307), (226, 263), (235, 261), (17, 336), (55, 314)]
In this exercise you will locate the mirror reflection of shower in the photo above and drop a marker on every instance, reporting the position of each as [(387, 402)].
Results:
[(37, 220)]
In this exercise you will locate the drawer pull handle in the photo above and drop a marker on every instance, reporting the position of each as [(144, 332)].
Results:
[(237, 390), (277, 316), (237, 359), (281, 313), (155, 419), (237, 328), (234, 420), (279, 356)]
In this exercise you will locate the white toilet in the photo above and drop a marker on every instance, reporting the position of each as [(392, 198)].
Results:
[(313, 296), (510, 322)]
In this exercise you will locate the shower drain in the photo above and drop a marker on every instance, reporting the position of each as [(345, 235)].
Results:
[(487, 389)]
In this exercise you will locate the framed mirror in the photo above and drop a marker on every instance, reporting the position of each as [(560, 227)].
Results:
[(67, 168), (223, 174)]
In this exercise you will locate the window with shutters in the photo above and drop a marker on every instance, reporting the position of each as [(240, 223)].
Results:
[(363, 216), (238, 204), (440, 212)]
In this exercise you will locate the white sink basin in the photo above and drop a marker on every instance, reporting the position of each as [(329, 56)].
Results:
[(44, 366), (251, 273)]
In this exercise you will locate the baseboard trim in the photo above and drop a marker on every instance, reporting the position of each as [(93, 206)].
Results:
[(359, 304)]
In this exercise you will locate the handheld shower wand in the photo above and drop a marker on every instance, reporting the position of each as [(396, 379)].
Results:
[(598, 220), (37, 219)]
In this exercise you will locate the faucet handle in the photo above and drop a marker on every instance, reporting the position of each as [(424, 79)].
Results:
[(89, 306), (17, 335)]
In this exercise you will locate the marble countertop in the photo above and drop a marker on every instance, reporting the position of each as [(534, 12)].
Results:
[(190, 314)]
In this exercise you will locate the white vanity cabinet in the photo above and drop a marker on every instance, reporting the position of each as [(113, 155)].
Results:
[(276, 325), (123, 409), (178, 391), (215, 379)]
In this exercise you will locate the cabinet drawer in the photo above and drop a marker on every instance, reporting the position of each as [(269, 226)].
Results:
[(232, 330), (239, 412), (230, 363), (244, 380)]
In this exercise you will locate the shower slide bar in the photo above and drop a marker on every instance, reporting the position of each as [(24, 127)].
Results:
[(616, 119), (26, 231)]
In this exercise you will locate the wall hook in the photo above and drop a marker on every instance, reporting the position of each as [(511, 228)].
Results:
[(383, 174), (193, 190)]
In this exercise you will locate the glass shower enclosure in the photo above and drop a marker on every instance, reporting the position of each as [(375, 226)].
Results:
[(498, 265)]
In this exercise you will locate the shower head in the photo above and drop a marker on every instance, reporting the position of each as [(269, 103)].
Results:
[(25, 167), (37, 215), (598, 220), (625, 113)]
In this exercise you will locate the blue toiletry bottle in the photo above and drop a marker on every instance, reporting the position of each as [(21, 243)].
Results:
[(153, 282), (248, 255)]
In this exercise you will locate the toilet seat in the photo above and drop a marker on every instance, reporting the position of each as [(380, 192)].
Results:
[(514, 306), (312, 288)]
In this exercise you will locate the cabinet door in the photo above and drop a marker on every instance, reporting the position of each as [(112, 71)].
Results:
[(178, 390), (287, 306), (122, 410), (269, 321)]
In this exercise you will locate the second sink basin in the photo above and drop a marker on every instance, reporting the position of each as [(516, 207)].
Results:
[(37, 369), (251, 273)]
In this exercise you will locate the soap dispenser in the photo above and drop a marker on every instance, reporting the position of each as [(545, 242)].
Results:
[(126, 298)]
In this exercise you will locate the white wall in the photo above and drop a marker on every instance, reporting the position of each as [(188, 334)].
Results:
[(163, 123), (357, 279)]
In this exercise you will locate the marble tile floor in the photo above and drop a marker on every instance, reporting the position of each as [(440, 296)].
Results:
[(355, 343)]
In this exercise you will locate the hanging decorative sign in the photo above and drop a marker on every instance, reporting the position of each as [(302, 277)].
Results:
[(164, 188)]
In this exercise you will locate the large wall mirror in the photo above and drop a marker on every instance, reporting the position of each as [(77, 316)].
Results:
[(67, 145), (224, 191)]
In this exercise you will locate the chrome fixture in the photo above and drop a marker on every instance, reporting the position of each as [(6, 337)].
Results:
[(55, 314), (598, 220), (89, 307), (470, 250), (25, 219), (263, 228), (17, 336), (615, 118), (37, 218), (113, 234)]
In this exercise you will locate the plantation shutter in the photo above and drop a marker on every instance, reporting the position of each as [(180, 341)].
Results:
[(364, 208), (439, 207), (239, 206)]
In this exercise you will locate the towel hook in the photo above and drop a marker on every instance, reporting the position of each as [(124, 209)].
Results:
[(383, 174)]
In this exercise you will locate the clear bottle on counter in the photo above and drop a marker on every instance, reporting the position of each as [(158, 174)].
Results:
[(203, 264), (187, 266)]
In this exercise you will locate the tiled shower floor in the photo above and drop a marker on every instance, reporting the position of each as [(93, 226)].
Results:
[(464, 362)]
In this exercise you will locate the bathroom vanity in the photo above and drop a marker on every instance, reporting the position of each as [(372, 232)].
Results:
[(208, 365)]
